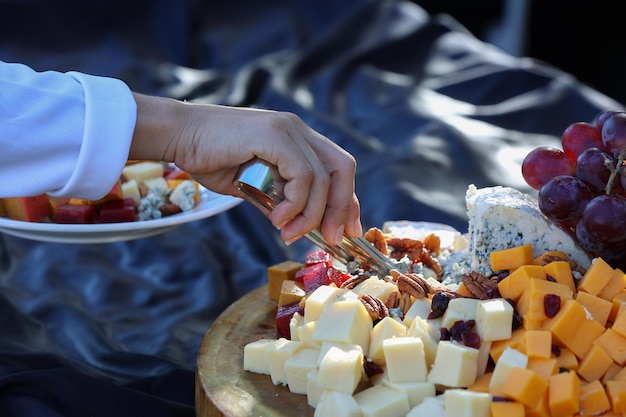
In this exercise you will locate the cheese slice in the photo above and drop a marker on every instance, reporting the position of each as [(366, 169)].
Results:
[(503, 217)]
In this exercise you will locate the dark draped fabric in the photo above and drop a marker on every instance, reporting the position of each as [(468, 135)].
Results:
[(113, 329)]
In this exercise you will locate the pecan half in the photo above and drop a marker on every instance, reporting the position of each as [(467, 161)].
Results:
[(478, 284), (355, 280), (573, 265), (405, 303), (411, 283), (169, 209), (374, 306), (393, 299), (433, 263)]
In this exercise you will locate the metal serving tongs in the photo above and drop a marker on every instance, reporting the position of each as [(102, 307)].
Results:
[(260, 181)]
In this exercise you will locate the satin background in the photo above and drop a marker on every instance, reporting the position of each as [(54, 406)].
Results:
[(426, 109)]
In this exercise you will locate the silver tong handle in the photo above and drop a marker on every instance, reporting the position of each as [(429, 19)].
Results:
[(260, 182)]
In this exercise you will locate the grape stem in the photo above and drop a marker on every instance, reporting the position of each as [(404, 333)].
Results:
[(615, 170)]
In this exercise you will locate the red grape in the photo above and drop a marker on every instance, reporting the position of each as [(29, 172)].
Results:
[(598, 122), (564, 198), (593, 166), (579, 136), (543, 163), (588, 242), (604, 218), (614, 132)]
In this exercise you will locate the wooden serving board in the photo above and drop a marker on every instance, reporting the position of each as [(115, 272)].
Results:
[(223, 388)]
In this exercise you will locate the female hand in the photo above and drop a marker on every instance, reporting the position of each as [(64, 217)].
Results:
[(210, 142)]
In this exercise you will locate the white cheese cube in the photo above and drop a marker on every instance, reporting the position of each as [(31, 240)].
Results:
[(277, 355), (255, 356), (296, 321), (386, 328), (343, 346), (340, 370), (337, 404), (130, 189), (344, 322), (382, 401), (142, 171), (509, 359), (465, 403), (319, 299), (459, 309), (419, 308), (405, 359), (305, 334), (298, 366), (313, 390), (428, 331), (416, 391), (430, 407), (483, 358), (494, 319), (376, 287), (455, 365), (157, 185)]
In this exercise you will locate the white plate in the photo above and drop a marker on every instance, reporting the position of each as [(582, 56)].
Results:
[(209, 204)]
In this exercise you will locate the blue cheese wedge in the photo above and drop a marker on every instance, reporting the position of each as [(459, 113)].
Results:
[(503, 217)]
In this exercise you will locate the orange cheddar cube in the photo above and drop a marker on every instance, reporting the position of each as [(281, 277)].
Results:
[(531, 304), (498, 346), (593, 399), (514, 285), (616, 284), (610, 373), (596, 306), (543, 367), (507, 409), (463, 291), (525, 386), (541, 409), (614, 344), (616, 391), (482, 383), (561, 272), (537, 344), (595, 364), (573, 329), (511, 258), (619, 305), (619, 375), (566, 359), (554, 254), (564, 394), (597, 277), (619, 325), (276, 274)]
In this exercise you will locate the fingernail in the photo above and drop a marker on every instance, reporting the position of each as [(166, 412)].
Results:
[(292, 240), (339, 235)]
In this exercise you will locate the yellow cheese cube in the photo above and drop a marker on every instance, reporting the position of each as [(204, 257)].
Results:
[(596, 306), (525, 386), (567, 360), (593, 399), (537, 344), (595, 364), (597, 277), (385, 329), (514, 285), (493, 319), (404, 359), (511, 258), (464, 403), (616, 391), (455, 365), (380, 401), (278, 273), (564, 394), (544, 367), (142, 171), (572, 328), (616, 284), (614, 344), (290, 292), (416, 392), (277, 354), (561, 272), (344, 322), (507, 409), (340, 369), (298, 366)]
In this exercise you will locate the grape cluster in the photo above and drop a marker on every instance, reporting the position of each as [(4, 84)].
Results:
[(583, 185)]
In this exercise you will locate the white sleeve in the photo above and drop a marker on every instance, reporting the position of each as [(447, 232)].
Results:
[(66, 134)]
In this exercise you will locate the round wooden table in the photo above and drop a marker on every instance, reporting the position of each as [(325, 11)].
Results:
[(223, 388)]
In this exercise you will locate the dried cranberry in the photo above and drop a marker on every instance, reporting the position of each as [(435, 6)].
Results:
[(501, 275), (459, 327), (500, 399), (438, 305), (550, 278), (470, 339), (444, 334), (556, 349), (551, 304), (493, 293), (371, 368), (517, 320)]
